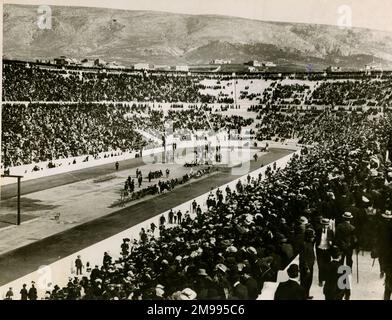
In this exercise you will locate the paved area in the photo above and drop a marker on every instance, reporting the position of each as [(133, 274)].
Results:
[(45, 241), (369, 286)]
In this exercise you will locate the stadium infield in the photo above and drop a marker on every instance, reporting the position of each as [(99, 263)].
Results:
[(43, 251)]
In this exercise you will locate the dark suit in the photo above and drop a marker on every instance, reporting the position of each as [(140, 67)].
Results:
[(241, 292), (306, 263), (331, 289), (323, 255), (252, 287), (346, 240), (290, 290)]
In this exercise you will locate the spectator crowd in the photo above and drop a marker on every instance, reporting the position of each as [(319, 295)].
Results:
[(248, 234)]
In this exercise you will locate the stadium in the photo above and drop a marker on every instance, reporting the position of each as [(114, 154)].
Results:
[(136, 183)]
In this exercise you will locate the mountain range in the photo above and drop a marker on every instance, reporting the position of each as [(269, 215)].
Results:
[(170, 38)]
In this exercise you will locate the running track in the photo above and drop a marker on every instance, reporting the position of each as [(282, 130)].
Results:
[(24, 260)]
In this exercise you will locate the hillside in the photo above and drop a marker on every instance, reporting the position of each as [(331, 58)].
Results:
[(165, 38)]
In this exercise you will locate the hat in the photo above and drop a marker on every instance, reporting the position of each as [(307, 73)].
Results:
[(159, 286), (232, 249), (387, 214), (303, 220), (226, 242), (281, 237), (325, 221), (221, 266), (202, 272), (187, 294), (251, 250), (347, 215)]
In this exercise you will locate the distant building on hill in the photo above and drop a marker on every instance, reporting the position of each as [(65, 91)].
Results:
[(64, 61), (141, 66), (113, 65), (253, 63), (269, 64), (162, 67), (87, 63), (182, 68), (333, 69), (220, 61), (99, 62)]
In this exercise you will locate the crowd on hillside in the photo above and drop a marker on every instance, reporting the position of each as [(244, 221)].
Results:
[(21, 83), (38, 132), (357, 93), (42, 132), (248, 234)]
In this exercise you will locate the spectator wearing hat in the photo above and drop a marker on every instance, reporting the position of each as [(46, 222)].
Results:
[(290, 289), (331, 289), (388, 282), (240, 291), (32, 292), (194, 206), (125, 247), (203, 283), (221, 281), (306, 261), (251, 285), (324, 239), (78, 265), (171, 215), (286, 249), (23, 293), (159, 292), (9, 295), (179, 216), (95, 273), (107, 259), (162, 220), (384, 242), (346, 239)]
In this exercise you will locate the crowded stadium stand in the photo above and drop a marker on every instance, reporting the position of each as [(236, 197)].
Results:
[(340, 177)]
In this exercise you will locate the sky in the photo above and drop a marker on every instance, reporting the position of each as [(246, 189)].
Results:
[(372, 14)]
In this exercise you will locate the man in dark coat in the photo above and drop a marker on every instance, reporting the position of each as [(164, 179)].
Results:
[(252, 286), (162, 220), (385, 253), (179, 216), (33, 292), (171, 215), (240, 291), (331, 287), (290, 289), (345, 239), (23, 293), (194, 206), (95, 273), (78, 265), (306, 262)]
